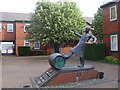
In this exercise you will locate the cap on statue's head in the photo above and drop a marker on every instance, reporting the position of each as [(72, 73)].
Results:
[(87, 29)]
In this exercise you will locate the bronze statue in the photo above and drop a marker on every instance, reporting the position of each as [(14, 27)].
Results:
[(80, 47)]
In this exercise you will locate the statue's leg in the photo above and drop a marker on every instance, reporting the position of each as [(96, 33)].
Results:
[(81, 62), (68, 55)]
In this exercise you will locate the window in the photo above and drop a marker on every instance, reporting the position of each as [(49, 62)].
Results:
[(37, 45), (26, 43), (0, 27), (114, 43), (26, 26), (113, 13), (9, 27)]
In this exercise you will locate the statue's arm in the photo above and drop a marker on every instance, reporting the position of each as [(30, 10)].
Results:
[(95, 39), (77, 34)]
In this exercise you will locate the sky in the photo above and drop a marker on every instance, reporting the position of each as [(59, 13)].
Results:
[(87, 7)]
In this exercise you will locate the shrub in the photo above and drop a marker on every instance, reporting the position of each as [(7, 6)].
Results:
[(23, 50), (36, 52), (95, 51), (111, 60)]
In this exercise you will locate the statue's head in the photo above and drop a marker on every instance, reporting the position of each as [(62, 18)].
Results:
[(87, 29)]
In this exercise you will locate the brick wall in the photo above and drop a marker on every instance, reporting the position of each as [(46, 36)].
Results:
[(109, 28), (20, 34), (1, 34), (7, 35), (64, 50), (72, 77), (20, 37), (21, 43)]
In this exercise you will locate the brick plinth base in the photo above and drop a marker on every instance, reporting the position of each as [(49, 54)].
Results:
[(65, 75), (73, 76)]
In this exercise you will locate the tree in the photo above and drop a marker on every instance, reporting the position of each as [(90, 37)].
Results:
[(97, 24), (52, 22)]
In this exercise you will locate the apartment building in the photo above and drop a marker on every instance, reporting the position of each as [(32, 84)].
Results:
[(111, 27), (13, 31)]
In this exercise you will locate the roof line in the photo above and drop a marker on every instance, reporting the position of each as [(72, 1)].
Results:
[(108, 3), (15, 12)]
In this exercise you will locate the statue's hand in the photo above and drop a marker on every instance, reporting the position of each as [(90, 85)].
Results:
[(86, 42), (90, 42), (75, 33)]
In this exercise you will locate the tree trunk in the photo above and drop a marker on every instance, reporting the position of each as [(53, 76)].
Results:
[(56, 47)]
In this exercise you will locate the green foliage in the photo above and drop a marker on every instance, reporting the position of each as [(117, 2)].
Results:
[(23, 50), (97, 24), (111, 60), (95, 51), (36, 52), (53, 21)]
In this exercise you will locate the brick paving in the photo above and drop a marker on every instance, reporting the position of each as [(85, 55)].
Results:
[(16, 71)]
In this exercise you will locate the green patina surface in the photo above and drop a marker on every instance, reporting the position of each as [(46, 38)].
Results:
[(59, 62)]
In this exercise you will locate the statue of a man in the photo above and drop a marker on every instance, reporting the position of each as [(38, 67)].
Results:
[(80, 47)]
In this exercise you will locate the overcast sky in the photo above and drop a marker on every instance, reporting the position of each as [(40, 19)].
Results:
[(88, 7)]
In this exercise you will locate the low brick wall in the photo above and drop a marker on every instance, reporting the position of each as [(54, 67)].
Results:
[(73, 77), (64, 50), (67, 74)]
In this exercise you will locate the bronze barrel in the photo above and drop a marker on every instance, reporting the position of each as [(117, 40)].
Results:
[(56, 60)]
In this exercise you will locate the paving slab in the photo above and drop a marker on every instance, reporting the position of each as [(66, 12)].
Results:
[(16, 71)]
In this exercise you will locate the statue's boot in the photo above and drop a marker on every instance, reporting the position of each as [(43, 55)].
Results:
[(81, 62), (68, 55)]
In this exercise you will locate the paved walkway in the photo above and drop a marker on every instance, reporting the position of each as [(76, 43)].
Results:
[(17, 70)]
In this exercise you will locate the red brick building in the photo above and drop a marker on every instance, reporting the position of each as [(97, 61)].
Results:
[(12, 33), (111, 27)]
